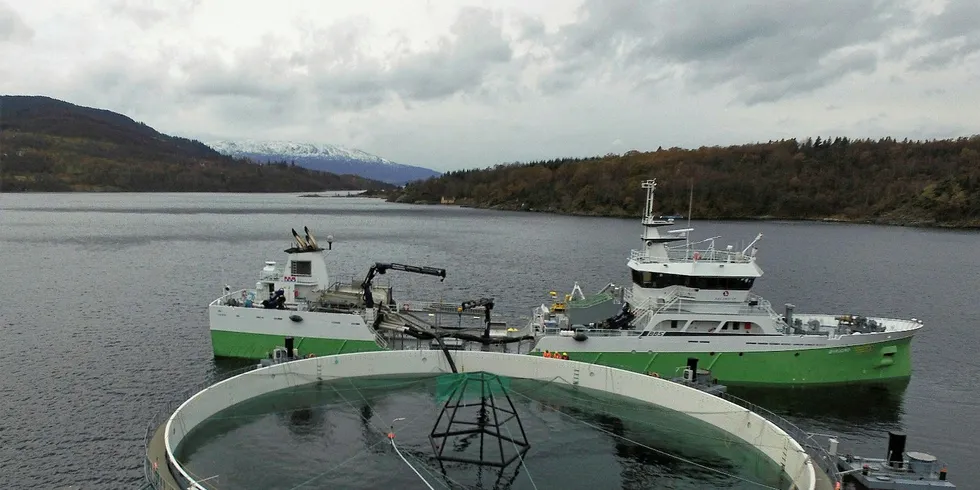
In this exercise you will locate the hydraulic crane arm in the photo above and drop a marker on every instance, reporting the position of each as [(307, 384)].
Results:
[(382, 267), (487, 304)]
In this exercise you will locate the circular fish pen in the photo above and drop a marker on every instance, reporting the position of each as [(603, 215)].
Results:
[(403, 418)]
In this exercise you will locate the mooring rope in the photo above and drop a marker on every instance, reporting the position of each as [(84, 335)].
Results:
[(597, 405), (659, 451), (509, 433), (372, 446), (342, 463), (392, 439), (591, 401)]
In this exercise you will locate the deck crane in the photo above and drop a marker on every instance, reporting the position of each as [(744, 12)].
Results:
[(382, 267), (487, 304)]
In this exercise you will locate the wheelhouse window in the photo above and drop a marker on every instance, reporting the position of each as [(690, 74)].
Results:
[(301, 268), (659, 280)]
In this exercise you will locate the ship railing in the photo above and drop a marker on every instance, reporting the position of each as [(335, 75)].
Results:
[(160, 417), (536, 323), (595, 332), (380, 340), (271, 275), (369, 315), (817, 452), (234, 294), (679, 304), (335, 286), (922, 470), (691, 255), (764, 305), (435, 306)]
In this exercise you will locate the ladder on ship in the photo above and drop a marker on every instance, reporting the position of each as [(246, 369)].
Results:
[(370, 315)]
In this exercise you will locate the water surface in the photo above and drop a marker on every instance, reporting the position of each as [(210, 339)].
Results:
[(104, 316)]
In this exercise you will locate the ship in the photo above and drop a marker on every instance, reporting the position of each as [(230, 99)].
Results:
[(693, 300), (296, 307)]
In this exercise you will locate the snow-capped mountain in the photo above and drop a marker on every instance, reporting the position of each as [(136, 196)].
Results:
[(326, 158)]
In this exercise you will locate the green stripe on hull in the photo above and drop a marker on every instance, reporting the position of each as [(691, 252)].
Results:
[(258, 346), (856, 364)]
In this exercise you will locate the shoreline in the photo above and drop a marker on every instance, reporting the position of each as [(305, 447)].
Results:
[(113, 191), (911, 223)]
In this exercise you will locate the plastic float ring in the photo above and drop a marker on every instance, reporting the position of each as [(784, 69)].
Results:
[(725, 293)]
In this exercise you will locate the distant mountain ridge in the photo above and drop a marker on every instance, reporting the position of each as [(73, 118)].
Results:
[(325, 158), (53, 145)]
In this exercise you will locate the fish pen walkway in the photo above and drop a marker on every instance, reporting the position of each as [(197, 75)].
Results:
[(157, 469), (805, 470)]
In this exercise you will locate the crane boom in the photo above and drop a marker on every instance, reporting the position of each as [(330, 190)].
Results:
[(487, 304), (382, 267)]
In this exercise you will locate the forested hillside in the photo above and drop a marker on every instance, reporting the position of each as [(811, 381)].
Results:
[(885, 181), (51, 145)]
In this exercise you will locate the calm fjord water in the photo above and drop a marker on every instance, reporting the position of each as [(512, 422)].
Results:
[(103, 318)]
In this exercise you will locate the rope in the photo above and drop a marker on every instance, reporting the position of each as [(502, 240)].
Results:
[(410, 464), (659, 451), (726, 439), (590, 401), (342, 463), (509, 433), (433, 471), (359, 453), (593, 403)]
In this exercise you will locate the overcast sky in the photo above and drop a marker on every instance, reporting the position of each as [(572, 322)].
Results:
[(466, 83)]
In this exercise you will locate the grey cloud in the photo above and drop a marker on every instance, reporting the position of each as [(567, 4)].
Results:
[(820, 75), (454, 67), (949, 37), (12, 26), (148, 14), (765, 50), (332, 72), (958, 18)]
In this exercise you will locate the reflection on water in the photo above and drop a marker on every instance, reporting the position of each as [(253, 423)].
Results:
[(131, 274), (579, 438), (858, 404)]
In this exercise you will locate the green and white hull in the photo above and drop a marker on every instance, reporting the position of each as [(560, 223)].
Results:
[(252, 333), (752, 360), (695, 300)]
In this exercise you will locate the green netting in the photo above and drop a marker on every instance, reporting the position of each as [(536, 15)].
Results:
[(470, 383)]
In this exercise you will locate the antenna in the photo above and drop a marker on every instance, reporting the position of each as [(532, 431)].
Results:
[(650, 186), (690, 208), (757, 238), (690, 204)]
